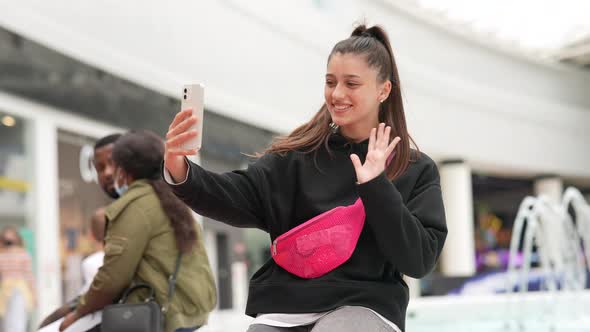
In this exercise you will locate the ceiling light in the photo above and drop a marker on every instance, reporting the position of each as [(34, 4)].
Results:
[(8, 121)]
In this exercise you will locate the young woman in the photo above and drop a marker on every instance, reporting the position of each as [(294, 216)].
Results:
[(357, 146), (147, 227)]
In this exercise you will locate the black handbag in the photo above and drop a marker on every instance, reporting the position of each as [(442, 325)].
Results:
[(139, 317)]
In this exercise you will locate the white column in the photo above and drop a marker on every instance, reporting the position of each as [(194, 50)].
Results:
[(458, 256), (210, 239), (414, 286), (550, 186), (239, 272), (46, 216)]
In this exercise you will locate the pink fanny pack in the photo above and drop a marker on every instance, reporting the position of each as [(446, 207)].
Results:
[(321, 244)]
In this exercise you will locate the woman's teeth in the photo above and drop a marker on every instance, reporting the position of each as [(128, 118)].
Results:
[(342, 107)]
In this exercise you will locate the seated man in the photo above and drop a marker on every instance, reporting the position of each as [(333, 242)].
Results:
[(93, 262), (90, 266)]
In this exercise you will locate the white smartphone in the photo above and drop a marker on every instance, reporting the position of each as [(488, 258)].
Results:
[(193, 98)]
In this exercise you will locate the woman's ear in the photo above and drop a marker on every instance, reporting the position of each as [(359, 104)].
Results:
[(120, 173), (385, 91)]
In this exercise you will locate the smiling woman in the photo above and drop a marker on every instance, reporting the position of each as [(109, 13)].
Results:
[(349, 205), (348, 81), (362, 89)]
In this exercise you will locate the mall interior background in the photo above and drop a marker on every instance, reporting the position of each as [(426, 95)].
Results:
[(500, 125)]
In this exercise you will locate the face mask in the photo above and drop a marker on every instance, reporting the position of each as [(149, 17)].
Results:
[(122, 189)]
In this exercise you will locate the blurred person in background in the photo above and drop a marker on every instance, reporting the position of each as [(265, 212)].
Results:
[(89, 266), (147, 228), (17, 283), (103, 163), (343, 155), (93, 262)]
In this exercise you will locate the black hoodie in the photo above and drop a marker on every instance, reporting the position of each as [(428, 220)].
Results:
[(404, 230)]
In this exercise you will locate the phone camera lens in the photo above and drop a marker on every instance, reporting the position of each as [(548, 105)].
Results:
[(184, 90), (184, 97)]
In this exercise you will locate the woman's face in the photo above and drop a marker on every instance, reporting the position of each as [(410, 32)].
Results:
[(10, 237), (353, 92)]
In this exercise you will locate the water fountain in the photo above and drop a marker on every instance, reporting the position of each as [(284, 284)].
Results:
[(558, 243), (561, 241)]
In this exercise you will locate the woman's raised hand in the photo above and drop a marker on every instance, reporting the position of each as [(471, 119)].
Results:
[(379, 150), (179, 133)]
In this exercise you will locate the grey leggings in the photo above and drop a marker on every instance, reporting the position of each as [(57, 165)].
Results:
[(346, 319)]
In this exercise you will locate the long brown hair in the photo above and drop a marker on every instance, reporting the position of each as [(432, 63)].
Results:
[(372, 43), (140, 153)]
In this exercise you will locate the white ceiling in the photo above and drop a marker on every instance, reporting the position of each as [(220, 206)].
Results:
[(548, 30), (532, 24)]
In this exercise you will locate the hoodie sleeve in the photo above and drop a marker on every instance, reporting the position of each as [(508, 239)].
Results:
[(411, 235), (232, 198)]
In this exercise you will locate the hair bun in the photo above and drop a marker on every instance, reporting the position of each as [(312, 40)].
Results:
[(366, 33), (359, 31)]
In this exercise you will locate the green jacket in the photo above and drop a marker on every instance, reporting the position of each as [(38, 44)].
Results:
[(140, 248)]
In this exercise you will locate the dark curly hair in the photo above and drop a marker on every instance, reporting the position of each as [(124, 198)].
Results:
[(140, 153)]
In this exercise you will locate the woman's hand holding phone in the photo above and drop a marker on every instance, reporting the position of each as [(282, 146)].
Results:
[(178, 134)]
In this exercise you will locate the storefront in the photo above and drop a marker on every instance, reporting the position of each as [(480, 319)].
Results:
[(53, 107), (47, 189)]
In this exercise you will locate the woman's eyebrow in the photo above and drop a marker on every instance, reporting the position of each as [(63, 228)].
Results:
[(347, 75)]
